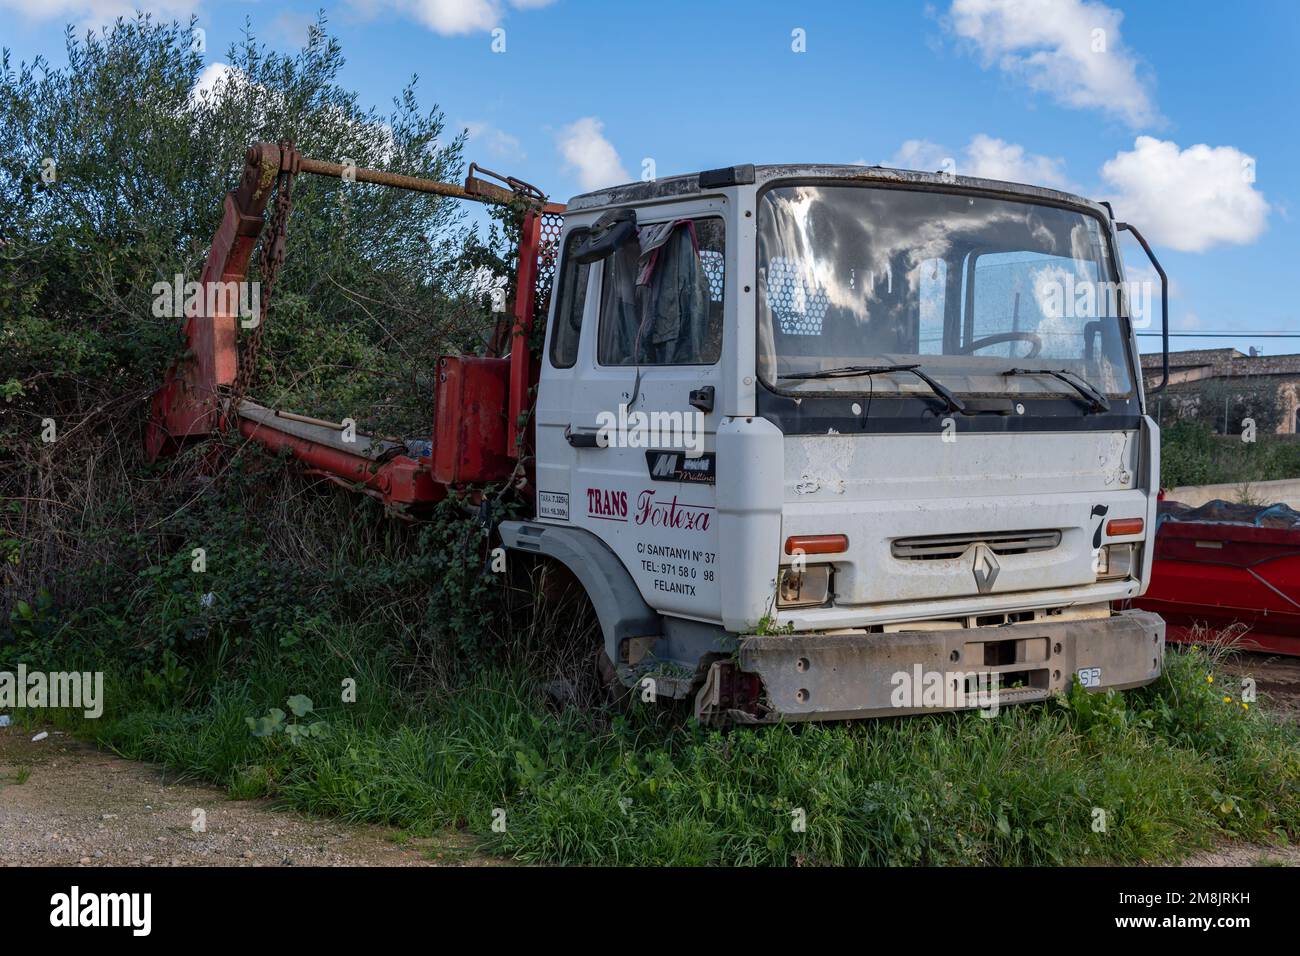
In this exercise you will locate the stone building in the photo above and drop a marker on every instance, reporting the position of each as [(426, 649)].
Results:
[(1201, 378)]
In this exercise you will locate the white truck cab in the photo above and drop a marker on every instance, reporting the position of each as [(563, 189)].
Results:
[(826, 442)]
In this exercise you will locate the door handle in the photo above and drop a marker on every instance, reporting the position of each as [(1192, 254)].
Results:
[(580, 439), (702, 398)]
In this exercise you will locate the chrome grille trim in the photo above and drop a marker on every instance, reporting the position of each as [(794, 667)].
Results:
[(941, 547)]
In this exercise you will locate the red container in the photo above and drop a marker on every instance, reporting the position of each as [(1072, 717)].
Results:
[(1240, 570)]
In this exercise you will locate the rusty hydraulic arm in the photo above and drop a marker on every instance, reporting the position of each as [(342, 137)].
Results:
[(203, 391)]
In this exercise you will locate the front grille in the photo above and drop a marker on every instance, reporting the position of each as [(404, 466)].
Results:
[(941, 547)]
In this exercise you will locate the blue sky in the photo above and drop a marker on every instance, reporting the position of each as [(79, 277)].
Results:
[(1185, 116)]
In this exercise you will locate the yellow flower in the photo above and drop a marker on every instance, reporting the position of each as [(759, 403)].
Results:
[(1209, 678), (1245, 706), (1227, 700)]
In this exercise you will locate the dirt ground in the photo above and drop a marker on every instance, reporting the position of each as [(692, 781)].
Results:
[(1275, 676), (63, 802)]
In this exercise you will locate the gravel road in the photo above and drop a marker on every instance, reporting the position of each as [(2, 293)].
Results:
[(76, 805)]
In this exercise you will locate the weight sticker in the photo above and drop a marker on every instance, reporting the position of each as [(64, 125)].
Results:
[(553, 504)]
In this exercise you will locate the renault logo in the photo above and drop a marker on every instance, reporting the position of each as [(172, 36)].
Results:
[(986, 568)]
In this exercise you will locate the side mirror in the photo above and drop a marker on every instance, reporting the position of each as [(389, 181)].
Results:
[(1164, 306), (610, 232)]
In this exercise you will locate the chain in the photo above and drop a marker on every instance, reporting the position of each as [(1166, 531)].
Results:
[(271, 257)]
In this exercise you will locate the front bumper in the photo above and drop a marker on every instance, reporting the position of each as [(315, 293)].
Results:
[(845, 676)]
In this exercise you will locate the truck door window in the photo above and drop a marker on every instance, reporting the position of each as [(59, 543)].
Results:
[(569, 305), (661, 297)]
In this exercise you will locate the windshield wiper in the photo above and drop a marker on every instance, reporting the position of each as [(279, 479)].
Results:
[(1097, 402), (953, 403)]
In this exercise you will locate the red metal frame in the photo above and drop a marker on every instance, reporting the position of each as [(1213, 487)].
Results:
[(521, 358), (471, 442), (188, 404)]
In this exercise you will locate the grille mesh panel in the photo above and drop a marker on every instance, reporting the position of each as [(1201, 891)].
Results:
[(941, 547)]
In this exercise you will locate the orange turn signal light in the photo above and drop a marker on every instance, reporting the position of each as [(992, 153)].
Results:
[(817, 543), (1124, 526)]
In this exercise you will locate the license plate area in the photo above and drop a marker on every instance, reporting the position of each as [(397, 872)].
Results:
[(1007, 653)]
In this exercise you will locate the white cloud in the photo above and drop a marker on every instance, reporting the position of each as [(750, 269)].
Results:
[(921, 154), (986, 157), (1187, 199), (496, 141), (293, 27), (98, 12), (588, 153), (213, 75), (1070, 49), (452, 17), (993, 158)]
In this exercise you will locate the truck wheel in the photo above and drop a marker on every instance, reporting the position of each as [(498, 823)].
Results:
[(560, 639), (617, 696)]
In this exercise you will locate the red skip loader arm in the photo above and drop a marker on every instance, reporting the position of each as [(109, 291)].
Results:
[(188, 404), (480, 430)]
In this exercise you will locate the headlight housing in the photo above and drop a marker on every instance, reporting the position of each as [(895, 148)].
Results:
[(808, 587), (1116, 561)]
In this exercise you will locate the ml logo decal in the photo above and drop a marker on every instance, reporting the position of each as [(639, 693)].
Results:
[(986, 568), (678, 466)]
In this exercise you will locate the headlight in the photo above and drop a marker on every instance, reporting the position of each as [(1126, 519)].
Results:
[(806, 588), (1115, 561)]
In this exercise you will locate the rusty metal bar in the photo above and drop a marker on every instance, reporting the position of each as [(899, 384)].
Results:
[(483, 192), (308, 420), (364, 175)]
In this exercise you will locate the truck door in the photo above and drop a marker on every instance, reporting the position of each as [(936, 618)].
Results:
[(626, 439)]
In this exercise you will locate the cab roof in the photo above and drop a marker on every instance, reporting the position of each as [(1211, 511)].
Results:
[(674, 187)]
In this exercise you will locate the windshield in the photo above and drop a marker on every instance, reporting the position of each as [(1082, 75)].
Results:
[(966, 287)]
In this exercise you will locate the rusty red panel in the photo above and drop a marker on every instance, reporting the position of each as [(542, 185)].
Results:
[(470, 429)]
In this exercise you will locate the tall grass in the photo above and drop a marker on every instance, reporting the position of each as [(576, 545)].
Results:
[(1142, 777)]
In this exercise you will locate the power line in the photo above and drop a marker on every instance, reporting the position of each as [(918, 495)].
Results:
[(1225, 335)]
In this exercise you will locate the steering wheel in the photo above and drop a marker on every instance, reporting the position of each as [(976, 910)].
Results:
[(1035, 343)]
